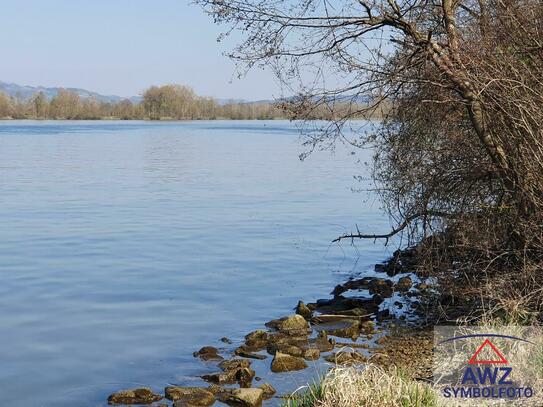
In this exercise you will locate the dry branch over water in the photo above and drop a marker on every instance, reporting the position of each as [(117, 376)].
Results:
[(459, 153)]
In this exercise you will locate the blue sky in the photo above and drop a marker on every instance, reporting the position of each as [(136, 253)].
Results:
[(120, 47)]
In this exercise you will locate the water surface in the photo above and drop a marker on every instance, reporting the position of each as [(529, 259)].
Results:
[(125, 246)]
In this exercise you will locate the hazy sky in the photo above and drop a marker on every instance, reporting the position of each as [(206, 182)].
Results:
[(120, 47)]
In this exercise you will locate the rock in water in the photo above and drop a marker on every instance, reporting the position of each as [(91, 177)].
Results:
[(294, 324), (208, 353), (404, 284), (284, 348), (323, 343), (381, 286), (243, 376), (301, 309), (142, 395), (234, 364), (259, 334), (312, 354), (268, 390), (244, 397), (350, 329), (190, 396), (286, 363), (257, 339), (246, 352)]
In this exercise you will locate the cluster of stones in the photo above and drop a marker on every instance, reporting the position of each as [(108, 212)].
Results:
[(291, 343)]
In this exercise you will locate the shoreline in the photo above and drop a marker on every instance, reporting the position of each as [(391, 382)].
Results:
[(367, 320)]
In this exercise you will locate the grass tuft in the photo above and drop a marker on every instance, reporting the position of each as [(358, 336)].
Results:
[(371, 386)]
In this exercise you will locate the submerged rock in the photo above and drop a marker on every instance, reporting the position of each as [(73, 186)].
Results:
[(341, 327), (286, 363), (208, 353), (224, 339), (247, 352), (143, 395), (190, 396)]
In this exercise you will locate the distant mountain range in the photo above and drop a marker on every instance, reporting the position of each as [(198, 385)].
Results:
[(26, 92)]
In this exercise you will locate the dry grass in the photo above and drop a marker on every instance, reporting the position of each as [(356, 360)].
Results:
[(371, 386)]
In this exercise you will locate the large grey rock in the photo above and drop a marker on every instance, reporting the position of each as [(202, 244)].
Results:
[(143, 395)]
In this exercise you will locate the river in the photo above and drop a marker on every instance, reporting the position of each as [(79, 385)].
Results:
[(126, 246)]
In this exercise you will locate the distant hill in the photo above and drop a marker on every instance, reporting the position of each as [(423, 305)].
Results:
[(25, 92)]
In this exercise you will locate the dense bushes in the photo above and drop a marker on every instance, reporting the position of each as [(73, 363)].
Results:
[(482, 186)]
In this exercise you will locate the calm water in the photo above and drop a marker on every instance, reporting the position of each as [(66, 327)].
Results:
[(124, 247)]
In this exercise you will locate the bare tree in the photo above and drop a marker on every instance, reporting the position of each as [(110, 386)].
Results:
[(461, 148)]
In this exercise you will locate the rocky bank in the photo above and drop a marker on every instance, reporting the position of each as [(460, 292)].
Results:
[(365, 321)]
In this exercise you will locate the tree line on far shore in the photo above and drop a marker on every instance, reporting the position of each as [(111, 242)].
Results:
[(168, 102)]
